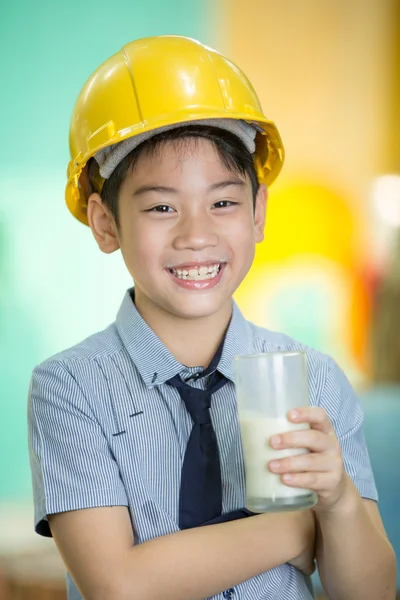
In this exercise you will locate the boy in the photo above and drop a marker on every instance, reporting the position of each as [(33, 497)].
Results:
[(171, 155)]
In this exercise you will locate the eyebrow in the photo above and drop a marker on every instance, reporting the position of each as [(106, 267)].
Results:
[(162, 189)]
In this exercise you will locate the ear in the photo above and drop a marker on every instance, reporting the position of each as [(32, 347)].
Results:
[(102, 224), (260, 213)]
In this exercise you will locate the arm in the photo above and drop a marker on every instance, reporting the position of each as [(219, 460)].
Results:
[(97, 548), (79, 493), (355, 559)]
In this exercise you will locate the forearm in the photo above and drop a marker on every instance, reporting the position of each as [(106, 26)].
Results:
[(197, 563), (355, 560)]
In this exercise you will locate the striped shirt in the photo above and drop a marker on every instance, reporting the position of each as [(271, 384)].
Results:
[(106, 430)]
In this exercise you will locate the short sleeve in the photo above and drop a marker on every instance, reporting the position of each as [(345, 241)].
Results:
[(71, 463), (346, 414)]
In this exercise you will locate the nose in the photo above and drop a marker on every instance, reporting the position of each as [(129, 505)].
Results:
[(195, 232)]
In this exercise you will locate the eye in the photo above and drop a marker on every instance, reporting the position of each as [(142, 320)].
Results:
[(161, 208), (224, 204)]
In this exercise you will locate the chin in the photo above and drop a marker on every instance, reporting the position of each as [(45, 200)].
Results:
[(198, 308)]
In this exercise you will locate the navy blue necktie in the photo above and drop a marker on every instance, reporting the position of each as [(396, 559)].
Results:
[(200, 500)]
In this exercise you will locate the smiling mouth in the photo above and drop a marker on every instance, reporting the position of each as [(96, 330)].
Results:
[(197, 273)]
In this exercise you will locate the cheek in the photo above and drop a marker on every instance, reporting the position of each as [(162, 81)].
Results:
[(243, 244), (141, 250), (242, 235)]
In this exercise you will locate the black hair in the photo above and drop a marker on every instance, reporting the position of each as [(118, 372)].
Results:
[(231, 150)]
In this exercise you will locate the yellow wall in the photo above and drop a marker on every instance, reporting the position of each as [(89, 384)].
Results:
[(326, 72)]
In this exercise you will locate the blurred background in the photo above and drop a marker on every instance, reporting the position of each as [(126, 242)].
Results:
[(328, 73)]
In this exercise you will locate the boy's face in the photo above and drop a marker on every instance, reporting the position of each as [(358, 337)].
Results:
[(187, 229)]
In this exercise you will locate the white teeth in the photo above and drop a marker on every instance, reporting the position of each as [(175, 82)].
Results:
[(197, 273)]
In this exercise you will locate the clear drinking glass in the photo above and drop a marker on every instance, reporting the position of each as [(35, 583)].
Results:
[(267, 387)]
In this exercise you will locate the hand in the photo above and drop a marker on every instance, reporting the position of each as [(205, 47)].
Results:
[(321, 469)]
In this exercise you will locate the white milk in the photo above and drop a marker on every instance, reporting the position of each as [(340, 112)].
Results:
[(256, 430)]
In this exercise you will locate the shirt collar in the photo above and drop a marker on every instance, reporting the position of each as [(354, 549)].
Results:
[(155, 362), (238, 340)]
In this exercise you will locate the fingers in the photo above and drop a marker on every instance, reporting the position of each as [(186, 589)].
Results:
[(321, 469), (320, 473), (311, 439), (314, 415), (319, 438), (316, 463), (318, 482)]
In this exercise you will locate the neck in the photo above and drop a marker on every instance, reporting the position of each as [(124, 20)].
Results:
[(193, 342)]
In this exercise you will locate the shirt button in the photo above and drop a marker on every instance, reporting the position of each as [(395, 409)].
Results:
[(229, 593)]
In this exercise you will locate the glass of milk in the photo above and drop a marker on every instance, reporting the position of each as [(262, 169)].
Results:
[(267, 387)]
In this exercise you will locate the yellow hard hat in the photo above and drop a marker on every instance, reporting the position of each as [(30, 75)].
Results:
[(159, 81)]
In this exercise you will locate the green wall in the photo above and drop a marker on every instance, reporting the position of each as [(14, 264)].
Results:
[(55, 286)]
